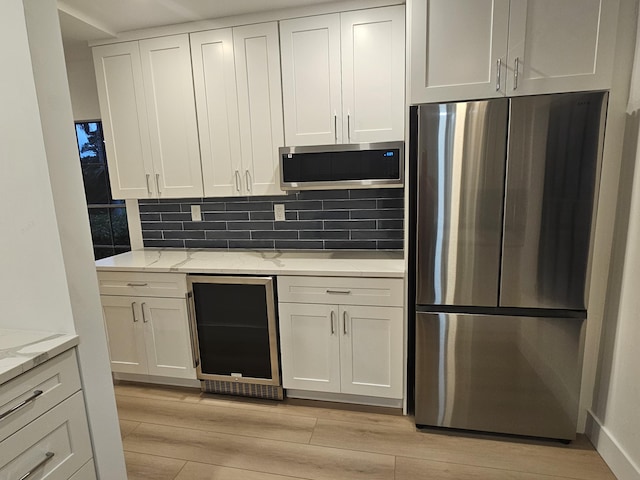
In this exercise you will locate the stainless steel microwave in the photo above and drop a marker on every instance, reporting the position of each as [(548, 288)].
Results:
[(358, 165)]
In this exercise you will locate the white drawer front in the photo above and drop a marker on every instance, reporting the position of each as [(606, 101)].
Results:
[(57, 379), (61, 434), (139, 284), (386, 292), (87, 472)]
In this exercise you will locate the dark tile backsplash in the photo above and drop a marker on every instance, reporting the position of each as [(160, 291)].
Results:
[(331, 219)]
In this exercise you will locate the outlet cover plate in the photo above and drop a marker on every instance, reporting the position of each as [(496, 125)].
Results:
[(196, 214), (278, 212)]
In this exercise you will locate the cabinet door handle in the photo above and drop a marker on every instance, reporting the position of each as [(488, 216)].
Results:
[(26, 401), (498, 73), (137, 284), (335, 126), (237, 174), (333, 318), (47, 456), (144, 317), (158, 183), (340, 292), (247, 179), (195, 353), (148, 187), (516, 65), (344, 322), (349, 126), (133, 310)]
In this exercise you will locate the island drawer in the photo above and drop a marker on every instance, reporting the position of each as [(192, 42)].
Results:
[(143, 284), (387, 292)]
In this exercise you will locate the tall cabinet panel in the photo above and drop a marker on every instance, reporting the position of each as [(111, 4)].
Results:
[(458, 49), (124, 118), (166, 69), (311, 80), (214, 78), (257, 53), (373, 64)]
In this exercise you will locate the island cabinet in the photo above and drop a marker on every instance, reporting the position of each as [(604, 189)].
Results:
[(147, 325), (342, 335), (236, 73), (470, 49), (43, 424), (145, 90), (343, 77)]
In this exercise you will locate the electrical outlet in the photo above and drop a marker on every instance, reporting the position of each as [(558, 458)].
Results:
[(196, 214), (278, 212)]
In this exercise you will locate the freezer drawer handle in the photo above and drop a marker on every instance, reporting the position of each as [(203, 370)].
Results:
[(340, 292), (17, 407), (47, 456)]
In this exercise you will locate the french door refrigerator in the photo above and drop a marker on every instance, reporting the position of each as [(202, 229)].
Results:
[(506, 190)]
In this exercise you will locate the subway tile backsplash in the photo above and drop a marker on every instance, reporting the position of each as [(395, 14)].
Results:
[(330, 219)]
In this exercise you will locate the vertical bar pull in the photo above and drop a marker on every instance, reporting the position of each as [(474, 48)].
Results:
[(237, 175), (148, 187), (516, 65), (333, 317), (335, 126), (133, 310), (344, 322), (498, 72), (349, 126), (247, 178), (144, 317), (158, 183)]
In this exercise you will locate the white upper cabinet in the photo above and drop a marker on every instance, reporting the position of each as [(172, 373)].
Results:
[(343, 77), (469, 49), (236, 73), (124, 119), (373, 75), (311, 80), (146, 99)]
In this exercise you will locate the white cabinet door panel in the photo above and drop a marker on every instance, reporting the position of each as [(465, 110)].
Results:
[(311, 80), (257, 54), (371, 351), (125, 334), (214, 79), (166, 68), (560, 46), (124, 119), (310, 347), (373, 74), (457, 49), (167, 338)]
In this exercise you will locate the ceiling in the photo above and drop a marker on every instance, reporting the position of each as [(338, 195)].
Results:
[(86, 20)]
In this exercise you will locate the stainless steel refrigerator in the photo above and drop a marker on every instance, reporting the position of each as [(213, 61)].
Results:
[(506, 190)]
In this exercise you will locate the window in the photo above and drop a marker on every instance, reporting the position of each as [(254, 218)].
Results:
[(108, 217)]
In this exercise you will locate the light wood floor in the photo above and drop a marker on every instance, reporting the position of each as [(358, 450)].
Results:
[(174, 433)]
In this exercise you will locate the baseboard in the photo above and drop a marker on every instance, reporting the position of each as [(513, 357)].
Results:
[(342, 398), (610, 450), (174, 382)]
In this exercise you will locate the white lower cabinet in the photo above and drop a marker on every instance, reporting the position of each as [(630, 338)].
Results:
[(339, 347), (148, 335)]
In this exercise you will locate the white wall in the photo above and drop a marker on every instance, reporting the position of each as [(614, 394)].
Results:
[(66, 196), (82, 82)]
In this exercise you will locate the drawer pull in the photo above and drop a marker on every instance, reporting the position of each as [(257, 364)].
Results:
[(137, 284), (47, 456), (35, 395), (341, 292)]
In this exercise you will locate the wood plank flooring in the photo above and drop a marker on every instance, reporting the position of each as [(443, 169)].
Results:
[(181, 434)]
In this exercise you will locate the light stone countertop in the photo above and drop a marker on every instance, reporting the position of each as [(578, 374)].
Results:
[(22, 350), (265, 262)]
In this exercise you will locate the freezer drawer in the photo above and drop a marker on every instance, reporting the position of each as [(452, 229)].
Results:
[(505, 374)]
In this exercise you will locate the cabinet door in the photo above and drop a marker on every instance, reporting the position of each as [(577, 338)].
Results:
[(168, 82), (310, 346), (561, 46), (214, 79), (311, 80), (167, 338), (457, 49), (125, 334), (371, 351), (124, 119), (373, 79), (257, 55)]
